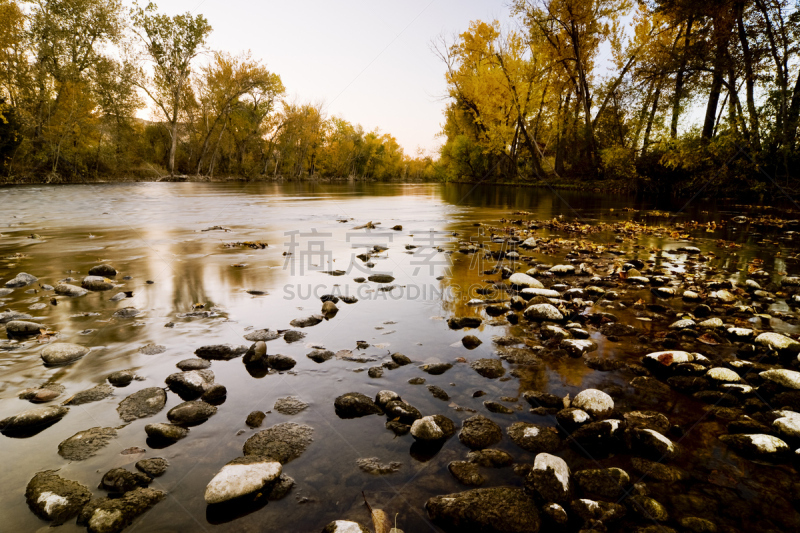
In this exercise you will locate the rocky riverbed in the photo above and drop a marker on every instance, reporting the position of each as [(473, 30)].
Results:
[(616, 370)]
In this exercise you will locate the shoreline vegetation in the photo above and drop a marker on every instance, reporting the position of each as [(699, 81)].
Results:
[(660, 97)]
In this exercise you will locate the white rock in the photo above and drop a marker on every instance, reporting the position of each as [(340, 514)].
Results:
[(711, 323), (683, 324), (723, 295), (545, 461), (787, 378), (543, 312), (789, 426), (530, 242), (532, 293), (690, 295), (594, 402), (426, 428), (562, 269), (776, 341), (235, 480), (767, 443), (524, 280), (740, 332), (723, 374), (671, 357)]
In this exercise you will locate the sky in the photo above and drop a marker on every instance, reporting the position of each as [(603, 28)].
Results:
[(369, 62)]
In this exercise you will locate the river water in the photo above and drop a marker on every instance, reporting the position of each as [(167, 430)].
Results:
[(154, 232)]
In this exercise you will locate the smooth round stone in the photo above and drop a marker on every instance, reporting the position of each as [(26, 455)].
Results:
[(33, 418), (23, 328), (778, 342), (786, 378), (103, 270), (191, 413), (594, 402), (73, 291), (788, 426), (711, 323), (543, 312), (525, 281), (22, 279), (241, 477), (62, 353), (723, 374), (683, 324), (166, 432), (96, 283)]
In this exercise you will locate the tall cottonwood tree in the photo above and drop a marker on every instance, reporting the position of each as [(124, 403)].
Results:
[(171, 44)]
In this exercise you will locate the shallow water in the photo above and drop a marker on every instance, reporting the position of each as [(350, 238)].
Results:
[(153, 231)]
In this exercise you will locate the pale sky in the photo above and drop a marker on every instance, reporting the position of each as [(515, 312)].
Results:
[(368, 61)]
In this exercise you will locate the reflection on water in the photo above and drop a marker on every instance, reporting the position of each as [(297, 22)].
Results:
[(154, 233)]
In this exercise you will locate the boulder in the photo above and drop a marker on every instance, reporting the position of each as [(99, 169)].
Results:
[(550, 478), (240, 477), (652, 444), (778, 342), (119, 480), (62, 353), (142, 404), (153, 467), (54, 498), (262, 335), (491, 510), (789, 379), (479, 432), (354, 405), (596, 403), (280, 362), (534, 437), (281, 442)]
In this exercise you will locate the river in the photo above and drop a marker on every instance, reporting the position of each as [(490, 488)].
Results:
[(162, 236)]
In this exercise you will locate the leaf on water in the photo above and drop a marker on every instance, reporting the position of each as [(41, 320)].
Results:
[(665, 359)]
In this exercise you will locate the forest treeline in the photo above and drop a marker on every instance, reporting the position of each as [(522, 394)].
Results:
[(76, 74), (657, 95)]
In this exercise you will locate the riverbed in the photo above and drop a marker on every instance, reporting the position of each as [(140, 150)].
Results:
[(206, 264)]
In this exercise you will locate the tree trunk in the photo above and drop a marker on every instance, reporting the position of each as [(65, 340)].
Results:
[(749, 78), (679, 81), (649, 127), (711, 106)]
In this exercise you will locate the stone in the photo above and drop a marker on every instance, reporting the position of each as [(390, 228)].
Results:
[(23, 328), (62, 353), (658, 471), (95, 394), (550, 477), (401, 359), (464, 322), (524, 281), (529, 294), (471, 342), (652, 444), (281, 442), (119, 480), (190, 384), (466, 473), (491, 510), (778, 342), (562, 269), (542, 399), (596, 403), (73, 291), (21, 280), (648, 508), (113, 515), (85, 444), (256, 355), (54, 498), (97, 283), (220, 352), (698, 525), (405, 412), (31, 420), (240, 477), (543, 312), (329, 309), (534, 437), (604, 483), (723, 375), (354, 405), (255, 418), (432, 428), (436, 369), (438, 393), (385, 396), (320, 356), (490, 458), (372, 465), (488, 368), (8, 316), (46, 392), (280, 362), (165, 432), (785, 378), (723, 295), (215, 394), (757, 445), (154, 467), (262, 335), (344, 526), (293, 336), (193, 364), (291, 405), (191, 413), (122, 378), (103, 270), (647, 420), (142, 404), (306, 322), (597, 510), (479, 432), (578, 347), (152, 349)]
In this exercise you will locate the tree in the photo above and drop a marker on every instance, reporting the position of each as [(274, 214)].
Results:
[(171, 44)]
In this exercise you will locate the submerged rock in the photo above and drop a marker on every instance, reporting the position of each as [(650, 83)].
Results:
[(354, 405), (291, 405), (372, 465), (119, 480), (105, 515), (492, 510), (220, 352), (23, 328), (466, 473), (281, 442), (142, 404), (32, 419), (240, 477), (94, 394), (488, 368), (54, 498), (306, 322), (609, 483), (263, 335), (73, 291), (534, 437), (154, 467), (85, 444), (165, 432), (479, 432)]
